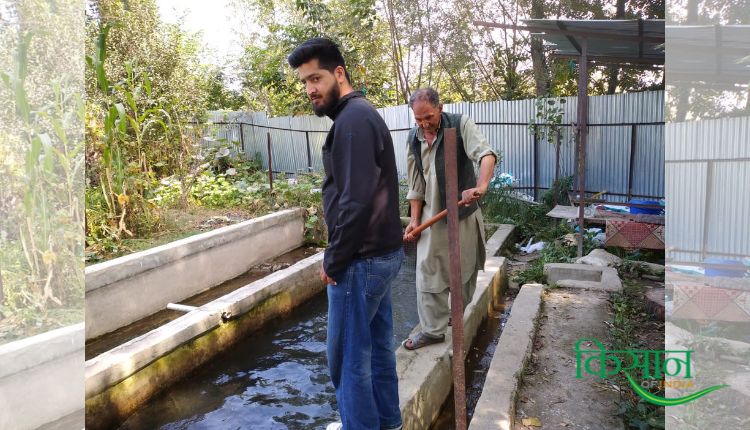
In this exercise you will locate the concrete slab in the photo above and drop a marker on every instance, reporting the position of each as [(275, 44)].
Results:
[(600, 257), (500, 239), (496, 406), (26, 368), (583, 276)]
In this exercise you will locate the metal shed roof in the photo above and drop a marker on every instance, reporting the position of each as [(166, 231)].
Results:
[(711, 54), (609, 41)]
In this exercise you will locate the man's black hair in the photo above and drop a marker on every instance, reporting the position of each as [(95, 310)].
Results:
[(325, 50)]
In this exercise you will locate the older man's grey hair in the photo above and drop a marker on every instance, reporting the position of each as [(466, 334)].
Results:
[(428, 95)]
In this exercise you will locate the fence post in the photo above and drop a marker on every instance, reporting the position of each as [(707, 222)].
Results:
[(270, 162), (632, 160), (309, 153), (242, 138), (536, 163)]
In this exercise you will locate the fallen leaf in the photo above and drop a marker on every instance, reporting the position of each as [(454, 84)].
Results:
[(531, 421)]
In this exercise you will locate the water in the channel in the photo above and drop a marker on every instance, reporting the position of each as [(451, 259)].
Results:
[(274, 379)]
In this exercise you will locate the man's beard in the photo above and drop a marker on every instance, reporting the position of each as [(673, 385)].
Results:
[(332, 97)]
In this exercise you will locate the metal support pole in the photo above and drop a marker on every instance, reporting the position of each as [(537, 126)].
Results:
[(454, 251), (536, 164), (242, 137), (309, 152), (583, 111), (633, 140), (270, 162)]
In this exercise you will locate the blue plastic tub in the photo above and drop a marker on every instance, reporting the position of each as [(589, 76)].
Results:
[(733, 269), (647, 211)]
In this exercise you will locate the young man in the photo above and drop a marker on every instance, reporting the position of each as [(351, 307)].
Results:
[(364, 253), (426, 175)]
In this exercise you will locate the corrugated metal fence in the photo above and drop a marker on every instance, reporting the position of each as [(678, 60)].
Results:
[(625, 153), (708, 189)]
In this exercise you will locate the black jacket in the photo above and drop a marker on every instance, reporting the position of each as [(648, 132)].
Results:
[(360, 191)]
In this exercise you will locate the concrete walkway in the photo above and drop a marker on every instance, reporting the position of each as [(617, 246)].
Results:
[(537, 380), (495, 409)]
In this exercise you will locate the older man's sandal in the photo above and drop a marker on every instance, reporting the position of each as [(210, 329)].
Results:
[(421, 340)]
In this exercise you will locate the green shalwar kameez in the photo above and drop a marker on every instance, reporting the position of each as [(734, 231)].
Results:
[(433, 280)]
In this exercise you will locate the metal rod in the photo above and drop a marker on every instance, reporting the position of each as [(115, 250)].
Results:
[(454, 251), (583, 83), (270, 162), (181, 308)]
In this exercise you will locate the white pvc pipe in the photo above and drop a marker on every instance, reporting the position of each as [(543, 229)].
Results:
[(181, 308)]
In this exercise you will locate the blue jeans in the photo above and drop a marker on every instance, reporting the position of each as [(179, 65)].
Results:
[(361, 356)]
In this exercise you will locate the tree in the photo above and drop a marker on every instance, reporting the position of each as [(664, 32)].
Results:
[(219, 97)]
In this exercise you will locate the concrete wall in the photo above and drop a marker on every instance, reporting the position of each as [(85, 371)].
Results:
[(124, 378), (42, 370), (126, 289)]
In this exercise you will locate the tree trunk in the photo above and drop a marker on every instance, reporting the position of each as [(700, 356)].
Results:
[(614, 71), (538, 61), (683, 91), (396, 52)]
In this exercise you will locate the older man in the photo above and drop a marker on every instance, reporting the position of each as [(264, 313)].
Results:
[(425, 162)]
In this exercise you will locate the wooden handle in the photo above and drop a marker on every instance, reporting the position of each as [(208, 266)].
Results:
[(425, 225)]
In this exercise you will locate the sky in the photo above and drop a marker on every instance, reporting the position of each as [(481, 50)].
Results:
[(216, 22)]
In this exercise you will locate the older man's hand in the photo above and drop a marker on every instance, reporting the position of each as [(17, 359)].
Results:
[(472, 195), (408, 236)]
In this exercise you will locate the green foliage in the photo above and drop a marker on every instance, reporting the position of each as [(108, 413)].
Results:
[(42, 168), (249, 189), (218, 96), (268, 82), (547, 124), (144, 83), (629, 317), (558, 193)]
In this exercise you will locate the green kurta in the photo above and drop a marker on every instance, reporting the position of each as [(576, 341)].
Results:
[(432, 248)]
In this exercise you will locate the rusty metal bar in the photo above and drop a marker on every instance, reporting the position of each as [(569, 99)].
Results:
[(270, 162), (583, 111), (309, 153), (454, 251), (242, 138), (631, 170)]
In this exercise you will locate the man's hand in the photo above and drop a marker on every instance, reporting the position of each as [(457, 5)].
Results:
[(325, 278), (408, 237), (472, 195)]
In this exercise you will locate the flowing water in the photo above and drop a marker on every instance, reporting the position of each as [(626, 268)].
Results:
[(274, 379)]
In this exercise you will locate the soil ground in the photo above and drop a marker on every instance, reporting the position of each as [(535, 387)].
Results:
[(550, 396), (550, 390)]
